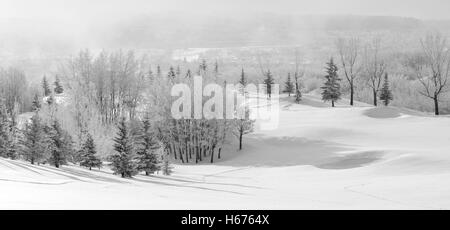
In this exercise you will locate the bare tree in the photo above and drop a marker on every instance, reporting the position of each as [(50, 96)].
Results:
[(348, 50), (374, 67), (432, 67)]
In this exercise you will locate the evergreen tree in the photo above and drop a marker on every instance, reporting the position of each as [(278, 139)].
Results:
[(158, 71), (188, 74), (122, 161), (331, 91), (87, 153), (58, 87), (268, 82), (36, 104), (166, 168), (243, 82), (298, 93), (60, 145), (147, 150), (50, 100), (171, 74), (386, 93), (203, 65), (34, 141), (46, 87), (289, 86), (298, 96)]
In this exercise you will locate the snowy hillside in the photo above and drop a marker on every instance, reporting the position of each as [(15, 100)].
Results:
[(318, 158)]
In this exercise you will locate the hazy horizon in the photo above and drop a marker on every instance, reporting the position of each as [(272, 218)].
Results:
[(88, 11)]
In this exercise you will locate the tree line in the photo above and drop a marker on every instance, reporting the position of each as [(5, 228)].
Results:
[(366, 65)]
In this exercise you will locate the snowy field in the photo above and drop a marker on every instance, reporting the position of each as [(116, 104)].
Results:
[(318, 158)]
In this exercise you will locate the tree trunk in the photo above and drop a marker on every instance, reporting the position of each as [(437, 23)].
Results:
[(181, 155), (218, 155), (240, 140), (332, 103), (351, 93), (436, 105), (375, 102), (171, 150), (187, 154), (212, 156), (90, 168), (146, 173), (196, 154)]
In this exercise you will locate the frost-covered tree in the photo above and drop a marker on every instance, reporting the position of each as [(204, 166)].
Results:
[(58, 87), (36, 104), (147, 150), (299, 72), (122, 161), (268, 82), (171, 74), (34, 141), (166, 167), (203, 65), (386, 93), (331, 91), (432, 68), (349, 52), (243, 126), (5, 139), (288, 85), (374, 67), (8, 133), (298, 96), (50, 100), (60, 145), (158, 71), (46, 87), (242, 82), (87, 154), (188, 74)]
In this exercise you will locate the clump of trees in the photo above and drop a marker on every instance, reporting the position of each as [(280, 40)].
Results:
[(15, 91), (7, 134)]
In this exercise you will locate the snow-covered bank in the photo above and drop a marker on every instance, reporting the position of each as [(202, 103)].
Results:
[(318, 158)]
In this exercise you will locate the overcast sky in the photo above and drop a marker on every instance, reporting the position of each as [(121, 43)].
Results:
[(96, 9)]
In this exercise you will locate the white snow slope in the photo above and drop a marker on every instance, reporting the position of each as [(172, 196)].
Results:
[(318, 158)]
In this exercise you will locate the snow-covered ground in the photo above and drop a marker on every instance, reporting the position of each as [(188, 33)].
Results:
[(318, 158)]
